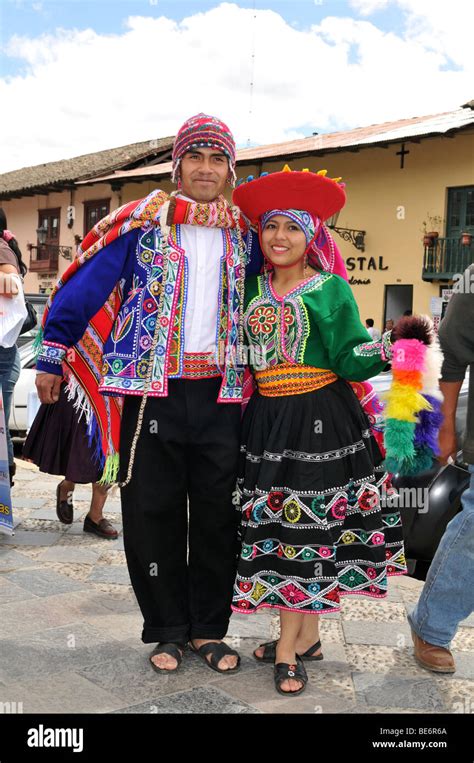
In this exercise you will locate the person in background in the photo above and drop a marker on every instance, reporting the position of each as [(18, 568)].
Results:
[(374, 333), (448, 594), (389, 324), (77, 244), (11, 261), (57, 443)]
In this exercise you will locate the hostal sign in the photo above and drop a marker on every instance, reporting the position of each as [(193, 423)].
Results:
[(364, 263)]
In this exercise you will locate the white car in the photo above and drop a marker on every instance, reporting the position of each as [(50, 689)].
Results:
[(18, 422)]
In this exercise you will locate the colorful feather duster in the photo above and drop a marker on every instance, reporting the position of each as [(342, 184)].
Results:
[(413, 404)]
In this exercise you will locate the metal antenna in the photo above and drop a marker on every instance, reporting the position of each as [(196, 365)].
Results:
[(252, 70)]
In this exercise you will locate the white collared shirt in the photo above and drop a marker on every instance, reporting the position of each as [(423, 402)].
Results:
[(203, 248)]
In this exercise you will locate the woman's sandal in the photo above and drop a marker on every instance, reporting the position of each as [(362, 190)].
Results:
[(172, 650), (283, 671), (269, 652), (217, 650)]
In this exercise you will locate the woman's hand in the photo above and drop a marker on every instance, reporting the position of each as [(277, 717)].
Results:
[(8, 285)]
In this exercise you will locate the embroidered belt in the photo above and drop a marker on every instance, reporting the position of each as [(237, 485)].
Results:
[(200, 365), (292, 379)]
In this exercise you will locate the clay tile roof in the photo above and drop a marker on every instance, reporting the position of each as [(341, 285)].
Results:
[(67, 171)]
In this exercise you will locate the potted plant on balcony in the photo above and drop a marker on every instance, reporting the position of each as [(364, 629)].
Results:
[(466, 238), (431, 229)]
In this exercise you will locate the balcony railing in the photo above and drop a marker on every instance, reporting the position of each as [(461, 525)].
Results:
[(44, 257), (446, 257)]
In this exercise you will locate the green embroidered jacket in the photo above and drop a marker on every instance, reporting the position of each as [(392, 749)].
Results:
[(316, 324)]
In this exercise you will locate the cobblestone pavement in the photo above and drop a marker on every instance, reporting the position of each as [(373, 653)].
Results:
[(71, 635)]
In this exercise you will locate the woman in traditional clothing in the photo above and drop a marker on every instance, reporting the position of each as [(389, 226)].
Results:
[(311, 476), (58, 443)]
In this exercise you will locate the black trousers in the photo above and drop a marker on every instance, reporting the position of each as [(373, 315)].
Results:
[(188, 447)]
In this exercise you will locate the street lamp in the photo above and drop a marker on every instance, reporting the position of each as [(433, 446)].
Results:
[(354, 236), (42, 234)]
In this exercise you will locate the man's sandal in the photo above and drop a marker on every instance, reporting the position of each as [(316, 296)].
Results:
[(217, 651), (283, 672), (269, 652), (170, 649)]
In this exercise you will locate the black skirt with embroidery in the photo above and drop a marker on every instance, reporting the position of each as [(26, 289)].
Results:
[(316, 523)]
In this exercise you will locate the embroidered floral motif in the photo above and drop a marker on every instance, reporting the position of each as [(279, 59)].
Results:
[(348, 538), (292, 511), (369, 500), (318, 506), (259, 591), (293, 594), (289, 316), (275, 501), (262, 320), (352, 578), (339, 508)]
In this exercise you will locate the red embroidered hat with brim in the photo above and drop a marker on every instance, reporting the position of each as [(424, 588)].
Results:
[(313, 192)]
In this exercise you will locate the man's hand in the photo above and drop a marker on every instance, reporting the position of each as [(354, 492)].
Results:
[(447, 442), (447, 432), (48, 386)]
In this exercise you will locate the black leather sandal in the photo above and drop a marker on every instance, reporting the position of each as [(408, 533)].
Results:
[(269, 652), (283, 671), (173, 650), (217, 651)]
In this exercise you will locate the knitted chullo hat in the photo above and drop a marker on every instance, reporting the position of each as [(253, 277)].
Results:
[(207, 131)]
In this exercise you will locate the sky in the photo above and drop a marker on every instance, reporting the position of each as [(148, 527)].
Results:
[(82, 76)]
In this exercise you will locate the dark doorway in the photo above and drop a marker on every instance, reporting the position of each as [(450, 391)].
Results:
[(398, 299)]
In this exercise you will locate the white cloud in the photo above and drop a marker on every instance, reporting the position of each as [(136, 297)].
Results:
[(85, 91), (434, 24)]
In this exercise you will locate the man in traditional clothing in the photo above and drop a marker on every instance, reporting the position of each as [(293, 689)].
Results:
[(151, 309)]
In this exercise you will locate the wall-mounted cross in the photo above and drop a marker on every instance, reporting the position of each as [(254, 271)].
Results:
[(402, 154)]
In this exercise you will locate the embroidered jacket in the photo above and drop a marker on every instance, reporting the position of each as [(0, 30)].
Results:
[(315, 324), (134, 260)]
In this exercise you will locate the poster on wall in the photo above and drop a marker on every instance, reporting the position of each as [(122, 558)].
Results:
[(6, 514), (436, 307)]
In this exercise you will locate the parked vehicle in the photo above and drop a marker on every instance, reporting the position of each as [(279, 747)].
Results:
[(25, 384), (39, 303)]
